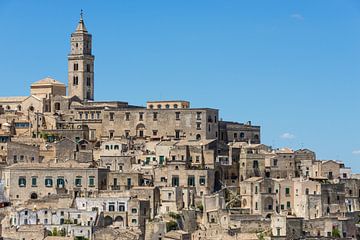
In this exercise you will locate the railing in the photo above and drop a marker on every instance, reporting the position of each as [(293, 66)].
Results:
[(115, 187)]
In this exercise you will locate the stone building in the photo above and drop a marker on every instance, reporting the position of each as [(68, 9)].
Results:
[(25, 181)]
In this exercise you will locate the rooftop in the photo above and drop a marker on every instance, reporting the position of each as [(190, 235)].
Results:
[(47, 81)]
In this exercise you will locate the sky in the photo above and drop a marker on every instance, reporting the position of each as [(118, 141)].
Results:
[(291, 67)]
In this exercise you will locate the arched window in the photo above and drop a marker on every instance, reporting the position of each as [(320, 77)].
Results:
[(198, 137), (242, 135), (159, 106), (19, 107), (256, 137), (7, 107), (167, 106), (57, 106), (33, 196), (107, 147), (175, 106), (151, 106), (116, 147)]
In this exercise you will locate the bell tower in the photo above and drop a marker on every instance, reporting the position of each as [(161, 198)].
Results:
[(81, 63)]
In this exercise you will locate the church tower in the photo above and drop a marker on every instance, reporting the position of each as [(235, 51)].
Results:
[(81, 64)]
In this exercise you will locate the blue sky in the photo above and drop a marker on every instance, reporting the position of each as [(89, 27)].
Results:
[(290, 66)]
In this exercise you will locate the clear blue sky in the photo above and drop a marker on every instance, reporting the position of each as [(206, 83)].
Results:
[(290, 66)]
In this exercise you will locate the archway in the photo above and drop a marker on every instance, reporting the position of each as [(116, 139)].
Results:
[(57, 106), (140, 128), (108, 221), (119, 221), (33, 196)]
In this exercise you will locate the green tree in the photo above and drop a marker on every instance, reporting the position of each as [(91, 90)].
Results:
[(55, 232), (172, 225), (335, 233)]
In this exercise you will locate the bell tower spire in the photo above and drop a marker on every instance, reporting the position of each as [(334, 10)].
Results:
[(81, 63)]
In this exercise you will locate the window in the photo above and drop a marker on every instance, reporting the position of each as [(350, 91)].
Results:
[(48, 182), (197, 159), (198, 126), (175, 106), (202, 180), (159, 106), (255, 164), (177, 115), (141, 116), (88, 68), (57, 106), (288, 205), (127, 133), (15, 158), (78, 181), (275, 162), (177, 134), (161, 160), (111, 116), (167, 106), (133, 221), (111, 207), (111, 134), (151, 106), (133, 210), (91, 181), (121, 207), (129, 182), (76, 66), (155, 115), (155, 132), (242, 135), (256, 189), (127, 116), (75, 80), (307, 191), (141, 133), (269, 190), (22, 182), (175, 181), (34, 181), (287, 191), (88, 81), (191, 181)]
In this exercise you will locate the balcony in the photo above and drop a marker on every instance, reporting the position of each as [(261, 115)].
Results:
[(115, 187)]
